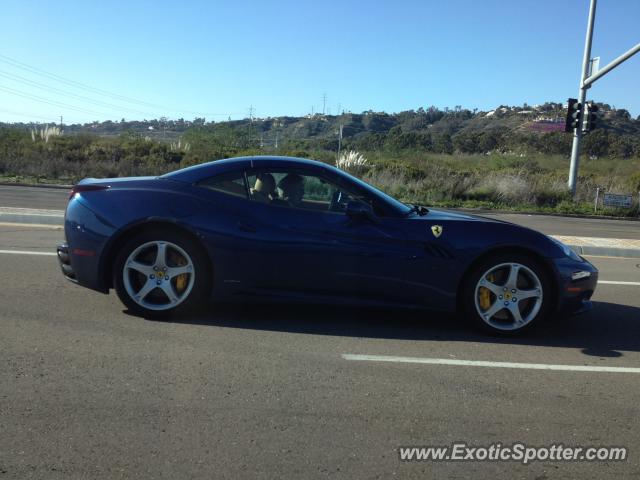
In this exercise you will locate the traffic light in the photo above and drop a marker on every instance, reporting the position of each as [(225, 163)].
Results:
[(574, 111), (590, 117)]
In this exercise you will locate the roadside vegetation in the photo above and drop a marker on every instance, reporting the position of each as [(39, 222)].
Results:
[(513, 158)]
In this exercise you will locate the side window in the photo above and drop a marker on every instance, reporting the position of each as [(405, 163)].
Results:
[(231, 183), (298, 190)]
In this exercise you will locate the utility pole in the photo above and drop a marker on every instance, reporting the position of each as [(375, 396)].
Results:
[(250, 124), (588, 77), (60, 122), (339, 140), (324, 102)]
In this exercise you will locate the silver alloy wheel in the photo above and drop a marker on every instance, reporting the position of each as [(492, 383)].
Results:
[(158, 275), (512, 297)]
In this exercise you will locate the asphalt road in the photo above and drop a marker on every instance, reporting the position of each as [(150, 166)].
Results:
[(255, 391), (56, 199), (33, 197)]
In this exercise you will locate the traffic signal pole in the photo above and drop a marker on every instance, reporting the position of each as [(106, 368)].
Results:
[(586, 80), (582, 97)]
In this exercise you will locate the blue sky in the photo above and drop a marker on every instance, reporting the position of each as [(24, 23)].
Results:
[(280, 57)]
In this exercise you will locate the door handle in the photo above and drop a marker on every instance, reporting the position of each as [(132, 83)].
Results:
[(246, 227)]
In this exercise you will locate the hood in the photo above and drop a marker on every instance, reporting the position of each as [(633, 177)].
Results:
[(435, 215), (477, 233)]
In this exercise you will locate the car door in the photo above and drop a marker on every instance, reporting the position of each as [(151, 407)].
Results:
[(242, 259), (318, 249)]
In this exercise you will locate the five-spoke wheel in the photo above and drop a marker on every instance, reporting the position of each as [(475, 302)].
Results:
[(158, 272), (158, 275), (507, 293)]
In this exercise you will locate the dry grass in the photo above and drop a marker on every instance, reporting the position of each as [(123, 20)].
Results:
[(523, 182), (352, 161), (45, 133)]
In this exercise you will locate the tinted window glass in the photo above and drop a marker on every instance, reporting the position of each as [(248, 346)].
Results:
[(299, 190), (231, 183)]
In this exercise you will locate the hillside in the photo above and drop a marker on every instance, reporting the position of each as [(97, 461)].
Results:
[(507, 128), (508, 158)]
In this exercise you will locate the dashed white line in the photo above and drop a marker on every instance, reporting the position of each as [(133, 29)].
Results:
[(24, 252), (480, 363), (31, 211), (31, 225)]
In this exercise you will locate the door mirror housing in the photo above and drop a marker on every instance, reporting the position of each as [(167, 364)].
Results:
[(357, 210)]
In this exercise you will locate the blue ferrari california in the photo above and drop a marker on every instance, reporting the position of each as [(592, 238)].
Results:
[(292, 229)]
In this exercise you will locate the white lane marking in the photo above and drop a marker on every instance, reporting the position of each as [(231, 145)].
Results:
[(610, 257), (31, 225), (20, 214), (24, 252), (31, 211), (478, 363)]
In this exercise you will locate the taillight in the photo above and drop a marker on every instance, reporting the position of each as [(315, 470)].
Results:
[(85, 188)]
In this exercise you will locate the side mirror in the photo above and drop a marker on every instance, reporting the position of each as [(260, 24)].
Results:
[(360, 211)]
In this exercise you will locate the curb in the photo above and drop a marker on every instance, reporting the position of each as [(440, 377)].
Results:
[(605, 251), (483, 211)]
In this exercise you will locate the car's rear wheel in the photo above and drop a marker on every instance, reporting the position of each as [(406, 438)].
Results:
[(158, 273), (507, 294)]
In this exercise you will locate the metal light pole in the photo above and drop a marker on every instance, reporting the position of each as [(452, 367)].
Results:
[(587, 79), (582, 96)]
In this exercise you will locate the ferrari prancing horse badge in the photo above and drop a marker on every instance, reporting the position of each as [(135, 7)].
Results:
[(436, 230)]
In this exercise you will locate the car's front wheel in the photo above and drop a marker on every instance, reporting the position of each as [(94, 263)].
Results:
[(507, 294), (160, 272)]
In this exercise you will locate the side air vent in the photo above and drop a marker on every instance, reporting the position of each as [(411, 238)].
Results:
[(437, 251)]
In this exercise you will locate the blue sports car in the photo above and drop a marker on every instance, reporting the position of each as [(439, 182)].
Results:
[(293, 229)]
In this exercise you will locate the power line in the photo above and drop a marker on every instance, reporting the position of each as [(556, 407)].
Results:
[(28, 115), (45, 87), (98, 91), (58, 78), (50, 102)]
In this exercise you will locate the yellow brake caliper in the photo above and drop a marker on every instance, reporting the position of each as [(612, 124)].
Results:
[(484, 295), (181, 280)]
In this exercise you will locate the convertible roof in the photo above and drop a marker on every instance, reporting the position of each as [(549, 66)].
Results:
[(204, 170)]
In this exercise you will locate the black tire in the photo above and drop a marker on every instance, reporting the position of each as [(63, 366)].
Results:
[(189, 301), (471, 301)]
